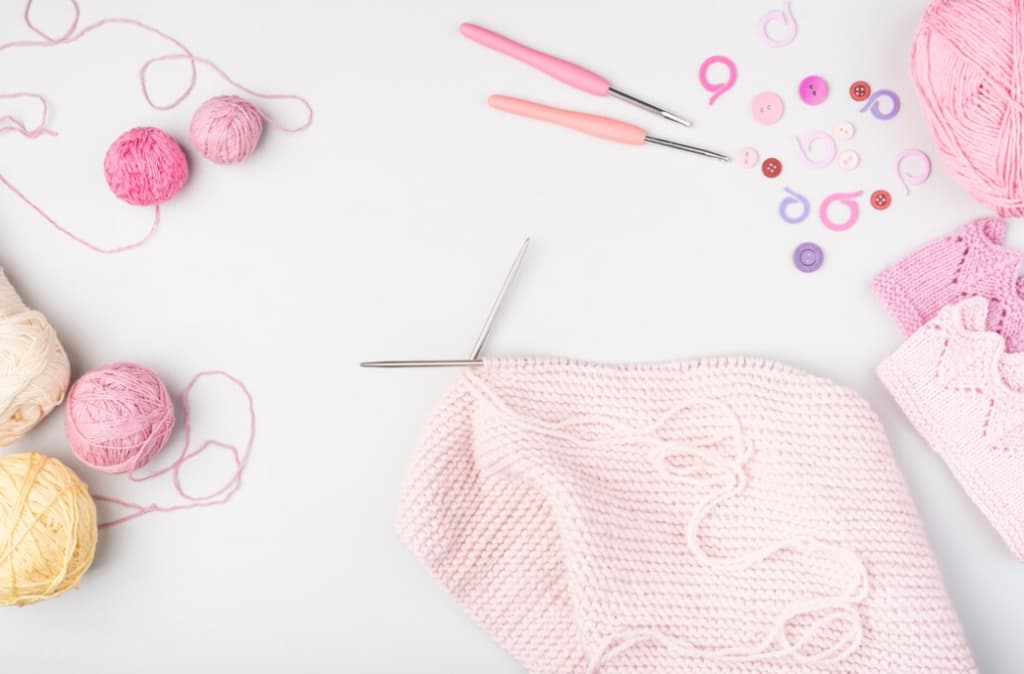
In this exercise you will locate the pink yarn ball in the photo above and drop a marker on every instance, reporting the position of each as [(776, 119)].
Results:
[(964, 65), (226, 129), (118, 417), (145, 166)]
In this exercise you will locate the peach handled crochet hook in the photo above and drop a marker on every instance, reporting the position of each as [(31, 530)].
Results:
[(595, 125), (570, 73)]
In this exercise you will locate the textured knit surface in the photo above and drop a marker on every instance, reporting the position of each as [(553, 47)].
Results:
[(970, 262), (965, 395), (717, 516)]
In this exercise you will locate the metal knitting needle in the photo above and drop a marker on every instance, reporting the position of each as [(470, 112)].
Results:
[(560, 69), (489, 322), (474, 358)]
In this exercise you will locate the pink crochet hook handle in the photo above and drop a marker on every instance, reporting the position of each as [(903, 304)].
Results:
[(570, 73), (595, 125), (560, 69)]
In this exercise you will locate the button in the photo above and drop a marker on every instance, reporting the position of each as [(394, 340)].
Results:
[(813, 90), (747, 157), (860, 90), (845, 131), (848, 160), (766, 108), (771, 167), (881, 200), (808, 257)]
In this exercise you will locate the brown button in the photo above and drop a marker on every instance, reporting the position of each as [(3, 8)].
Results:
[(880, 200), (771, 167), (860, 90)]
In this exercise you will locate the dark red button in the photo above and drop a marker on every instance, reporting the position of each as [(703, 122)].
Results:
[(880, 200), (771, 167), (860, 90)]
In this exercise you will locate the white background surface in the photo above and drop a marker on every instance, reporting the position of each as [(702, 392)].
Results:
[(384, 231)]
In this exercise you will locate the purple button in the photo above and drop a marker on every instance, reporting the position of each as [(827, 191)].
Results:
[(808, 257), (813, 90)]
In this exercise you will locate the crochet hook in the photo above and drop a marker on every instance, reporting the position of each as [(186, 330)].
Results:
[(594, 125), (474, 358), (564, 71)]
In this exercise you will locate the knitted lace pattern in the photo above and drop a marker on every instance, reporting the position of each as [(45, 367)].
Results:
[(971, 262), (965, 394), (727, 516)]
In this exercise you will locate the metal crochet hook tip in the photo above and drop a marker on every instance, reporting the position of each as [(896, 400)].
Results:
[(394, 364), (474, 358), (622, 95), (704, 152)]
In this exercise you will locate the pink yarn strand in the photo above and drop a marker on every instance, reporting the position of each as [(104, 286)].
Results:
[(74, 237), (219, 496), (9, 123), (73, 35)]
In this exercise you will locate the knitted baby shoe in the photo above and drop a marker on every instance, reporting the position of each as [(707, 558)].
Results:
[(725, 516), (965, 395), (971, 262)]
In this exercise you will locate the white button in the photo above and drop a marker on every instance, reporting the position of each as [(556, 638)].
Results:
[(845, 131), (848, 160)]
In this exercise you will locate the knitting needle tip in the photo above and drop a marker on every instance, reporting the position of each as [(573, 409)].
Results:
[(675, 118)]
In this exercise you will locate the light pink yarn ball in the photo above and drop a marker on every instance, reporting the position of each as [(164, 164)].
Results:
[(965, 65), (118, 417), (145, 167), (226, 129)]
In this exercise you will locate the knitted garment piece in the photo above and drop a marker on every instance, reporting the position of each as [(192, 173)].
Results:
[(965, 395), (725, 516), (972, 262)]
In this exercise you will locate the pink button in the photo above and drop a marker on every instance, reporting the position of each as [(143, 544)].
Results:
[(747, 157), (766, 108), (813, 90)]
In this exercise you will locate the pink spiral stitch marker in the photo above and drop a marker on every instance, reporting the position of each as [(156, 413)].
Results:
[(786, 18), (848, 199), (908, 178), (808, 140), (717, 88)]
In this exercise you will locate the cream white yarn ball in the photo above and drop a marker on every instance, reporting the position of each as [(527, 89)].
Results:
[(34, 370)]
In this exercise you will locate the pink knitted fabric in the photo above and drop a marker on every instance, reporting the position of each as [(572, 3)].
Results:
[(971, 262), (724, 516), (965, 395)]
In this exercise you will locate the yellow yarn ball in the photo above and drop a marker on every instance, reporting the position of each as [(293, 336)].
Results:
[(47, 528), (34, 370)]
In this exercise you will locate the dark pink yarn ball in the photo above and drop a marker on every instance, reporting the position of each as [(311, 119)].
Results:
[(118, 417), (145, 166)]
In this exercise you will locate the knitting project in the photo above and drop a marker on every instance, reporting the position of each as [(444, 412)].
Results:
[(971, 262), (965, 395), (726, 516)]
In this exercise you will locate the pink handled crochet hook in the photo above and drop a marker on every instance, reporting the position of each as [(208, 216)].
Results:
[(595, 125), (570, 73)]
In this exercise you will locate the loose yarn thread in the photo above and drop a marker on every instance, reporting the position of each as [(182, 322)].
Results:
[(183, 53), (224, 493), (118, 417), (47, 529), (34, 369)]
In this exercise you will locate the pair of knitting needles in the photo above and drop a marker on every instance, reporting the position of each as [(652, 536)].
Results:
[(474, 356), (585, 80)]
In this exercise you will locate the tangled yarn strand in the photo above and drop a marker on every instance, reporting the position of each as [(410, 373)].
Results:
[(729, 478), (223, 494), (73, 34)]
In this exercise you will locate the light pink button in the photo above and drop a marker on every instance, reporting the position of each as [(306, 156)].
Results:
[(845, 131), (848, 160), (766, 108), (747, 157)]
